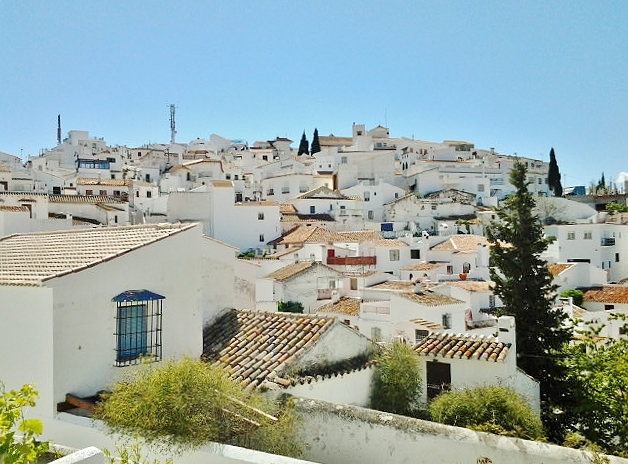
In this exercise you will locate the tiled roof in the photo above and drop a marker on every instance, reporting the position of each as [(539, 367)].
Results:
[(556, 269), (396, 285), (290, 270), (473, 285), (345, 305), (424, 266), (285, 252), (322, 192), (608, 294), (257, 348), (295, 217), (41, 256), (433, 326), (91, 199), (287, 208), (461, 243), (429, 298), (386, 242), (305, 234), (109, 182), (463, 347), (221, 183), (14, 209)]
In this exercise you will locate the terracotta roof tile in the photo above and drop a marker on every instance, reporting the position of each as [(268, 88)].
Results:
[(91, 199), (109, 182), (556, 269), (425, 266), (461, 243), (429, 298), (14, 209), (608, 294), (396, 285), (345, 305), (256, 348), (41, 256), (473, 285), (433, 326), (290, 270), (463, 347)]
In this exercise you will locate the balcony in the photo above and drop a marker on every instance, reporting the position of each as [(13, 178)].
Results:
[(352, 260), (608, 241)]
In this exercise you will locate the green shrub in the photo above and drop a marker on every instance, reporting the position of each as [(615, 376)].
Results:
[(18, 435), (576, 295), (487, 408), (396, 386), (290, 307), (180, 405)]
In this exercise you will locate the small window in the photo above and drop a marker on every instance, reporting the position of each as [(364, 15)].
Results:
[(270, 192), (149, 194), (420, 334), (376, 333), (433, 207), (480, 187), (394, 255), (415, 254), (228, 176), (571, 235), (491, 301), (446, 320), (450, 269), (261, 237), (370, 215), (609, 307), (312, 209), (367, 196), (346, 322), (89, 192), (588, 235), (343, 160), (260, 216), (138, 327), (354, 283), (616, 257)]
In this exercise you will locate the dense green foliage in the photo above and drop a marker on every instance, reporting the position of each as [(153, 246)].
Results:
[(488, 409), (183, 404), (524, 284), (290, 307), (614, 207), (577, 296), (316, 145), (304, 146), (24, 447), (599, 372), (397, 385), (553, 176)]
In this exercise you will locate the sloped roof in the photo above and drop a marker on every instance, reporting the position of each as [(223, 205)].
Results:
[(291, 270), (106, 182), (257, 348), (388, 242), (91, 199), (395, 285), (433, 326), (36, 257), (306, 234), (322, 192), (461, 242), (425, 266), (556, 269), (14, 209), (464, 346), (608, 294), (429, 298), (345, 305), (473, 285)]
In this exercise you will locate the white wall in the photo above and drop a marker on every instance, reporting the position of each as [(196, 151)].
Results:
[(26, 342), (351, 388), (84, 315)]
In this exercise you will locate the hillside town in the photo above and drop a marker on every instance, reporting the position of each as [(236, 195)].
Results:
[(375, 239)]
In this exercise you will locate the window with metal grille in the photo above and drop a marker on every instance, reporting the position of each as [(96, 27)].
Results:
[(138, 327)]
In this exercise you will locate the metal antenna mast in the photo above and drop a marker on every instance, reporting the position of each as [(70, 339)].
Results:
[(173, 131)]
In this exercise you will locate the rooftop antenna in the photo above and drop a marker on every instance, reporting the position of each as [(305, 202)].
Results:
[(59, 129), (173, 131)]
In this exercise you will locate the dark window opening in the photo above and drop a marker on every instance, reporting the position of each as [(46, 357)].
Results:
[(138, 327)]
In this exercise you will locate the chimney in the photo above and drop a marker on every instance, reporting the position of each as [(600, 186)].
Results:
[(507, 335)]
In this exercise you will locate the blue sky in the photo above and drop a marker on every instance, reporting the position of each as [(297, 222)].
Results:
[(521, 77)]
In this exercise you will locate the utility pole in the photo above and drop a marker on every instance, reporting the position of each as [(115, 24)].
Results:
[(173, 131)]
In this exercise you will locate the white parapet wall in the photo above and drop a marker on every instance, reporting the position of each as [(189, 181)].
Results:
[(338, 434)]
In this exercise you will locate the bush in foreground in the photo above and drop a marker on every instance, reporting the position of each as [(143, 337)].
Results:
[(489, 408)]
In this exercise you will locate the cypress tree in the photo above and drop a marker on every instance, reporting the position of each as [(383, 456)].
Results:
[(524, 284), (553, 176), (304, 146), (316, 145)]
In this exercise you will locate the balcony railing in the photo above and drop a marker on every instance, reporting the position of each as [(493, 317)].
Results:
[(608, 241), (352, 260)]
